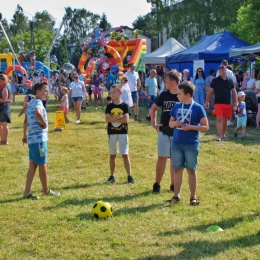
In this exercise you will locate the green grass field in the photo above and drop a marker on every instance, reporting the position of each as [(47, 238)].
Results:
[(143, 226)]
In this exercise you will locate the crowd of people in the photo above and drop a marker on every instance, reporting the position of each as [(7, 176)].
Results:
[(182, 100)]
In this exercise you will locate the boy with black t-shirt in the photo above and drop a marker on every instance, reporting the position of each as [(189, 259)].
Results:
[(166, 101), (117, 117)]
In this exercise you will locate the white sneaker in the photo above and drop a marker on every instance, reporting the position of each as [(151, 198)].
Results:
[(77, 122), (96, 108), (229, 123), (53, 193)]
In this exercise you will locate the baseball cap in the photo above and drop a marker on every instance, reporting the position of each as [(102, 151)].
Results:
[(28, 82), (240, 72), (241, 94)]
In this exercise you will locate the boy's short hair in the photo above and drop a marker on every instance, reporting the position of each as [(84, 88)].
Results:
[(109, 98), (117, 87), (39, 85), (173, 75), (188, 88)]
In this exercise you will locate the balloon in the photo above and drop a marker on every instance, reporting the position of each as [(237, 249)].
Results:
[(87, 40), (59, 38), (105, 65), (6, 51), (68, 67), (54, 59), (20, 44), (56, 44), (96, 60), (43, 49), (91, 63), (105, 41)]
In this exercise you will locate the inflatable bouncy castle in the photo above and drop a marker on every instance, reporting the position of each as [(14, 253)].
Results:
[(99, 53)]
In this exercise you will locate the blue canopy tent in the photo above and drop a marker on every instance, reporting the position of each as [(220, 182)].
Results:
[(211, 48)]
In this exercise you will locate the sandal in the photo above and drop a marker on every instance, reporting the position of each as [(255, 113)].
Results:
[(194, 202), (174, 200), (31, 196)]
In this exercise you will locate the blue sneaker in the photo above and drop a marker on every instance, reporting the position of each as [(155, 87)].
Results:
[(235, 135), (243, 138)]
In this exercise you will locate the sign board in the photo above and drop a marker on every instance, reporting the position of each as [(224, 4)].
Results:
[(59, 121), (197, 64)]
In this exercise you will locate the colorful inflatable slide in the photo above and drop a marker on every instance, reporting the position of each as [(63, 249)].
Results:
[(100, 53)]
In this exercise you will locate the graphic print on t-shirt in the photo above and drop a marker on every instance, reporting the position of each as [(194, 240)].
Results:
[(117, 112), (184, 113)]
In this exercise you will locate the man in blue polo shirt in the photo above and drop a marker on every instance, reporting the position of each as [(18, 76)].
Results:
[(151, 89), (110, 79)]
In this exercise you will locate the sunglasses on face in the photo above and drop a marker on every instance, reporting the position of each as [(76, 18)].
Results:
[(125, 79), (199, 71)]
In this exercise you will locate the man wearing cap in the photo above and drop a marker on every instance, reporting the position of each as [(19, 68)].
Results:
[(134, 85), (222, 87)]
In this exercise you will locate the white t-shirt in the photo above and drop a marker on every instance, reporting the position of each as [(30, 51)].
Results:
[(126, 96), (257, 86), (77, 89), (250, 83), (132, 80)]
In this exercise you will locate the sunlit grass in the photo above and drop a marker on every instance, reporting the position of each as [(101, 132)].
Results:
[(143, 226)]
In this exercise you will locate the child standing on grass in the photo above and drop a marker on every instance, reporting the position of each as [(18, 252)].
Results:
[(117, 117), (241, 115), (188, 118), (36, 124), (64, 103)]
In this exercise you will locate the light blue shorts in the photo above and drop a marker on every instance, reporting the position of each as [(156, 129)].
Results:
[(75, 99), (38, 153), (135, 97), (241, 121), (185, 156), (164, 143), (121, 140)]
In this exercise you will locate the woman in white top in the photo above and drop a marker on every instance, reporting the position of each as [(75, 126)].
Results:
[(77, 92), (250, 85), (126, 96), (257, 91)]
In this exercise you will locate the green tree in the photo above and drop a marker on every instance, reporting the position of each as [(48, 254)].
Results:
[(61, 52), (194, 18), (19, 22), (104, 24), (247, 25), (79, 23), (147, 24)]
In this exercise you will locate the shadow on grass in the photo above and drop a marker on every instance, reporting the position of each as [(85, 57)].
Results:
[(11, 200), (224, 224), (205, 249), (87, 201)]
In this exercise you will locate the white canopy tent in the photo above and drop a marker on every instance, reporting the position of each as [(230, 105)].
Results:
[(252, 49), (171, 46)]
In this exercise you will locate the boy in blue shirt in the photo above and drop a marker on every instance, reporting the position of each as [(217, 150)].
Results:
[(241, 115), (36, 124), (188, 118)]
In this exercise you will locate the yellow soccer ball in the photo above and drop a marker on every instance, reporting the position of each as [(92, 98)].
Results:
[(102, 209)]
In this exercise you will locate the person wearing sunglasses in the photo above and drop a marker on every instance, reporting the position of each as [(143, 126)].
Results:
[(77, 93), (126, 96), (200, 83)]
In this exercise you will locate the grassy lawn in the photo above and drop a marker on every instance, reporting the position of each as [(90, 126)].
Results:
[(143, 226)]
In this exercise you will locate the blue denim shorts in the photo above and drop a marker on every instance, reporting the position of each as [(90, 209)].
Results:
[(38, 153), (75, 99), (185, 156), (134, 97), (151, 101)]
